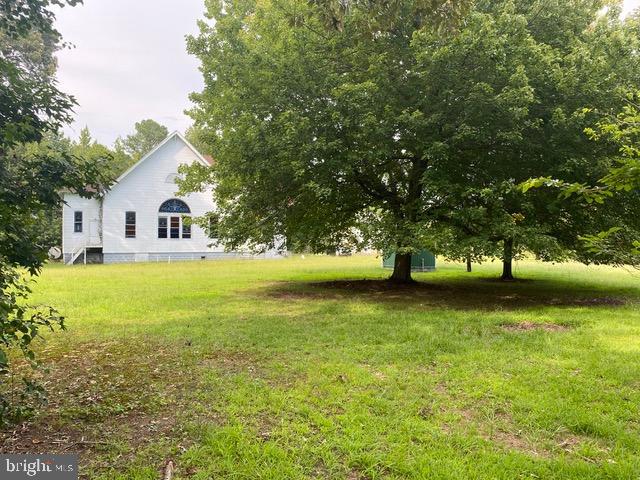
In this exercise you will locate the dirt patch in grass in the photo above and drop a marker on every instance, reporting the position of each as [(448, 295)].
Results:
[(495, 425), (477, 295), (514, 440), (45, 434), (532, 326), (587, 448), (122, 438), (43, 437), (106, 400), (569, 443), (505, 435), (109, 400), (230, 362), (503, 431)]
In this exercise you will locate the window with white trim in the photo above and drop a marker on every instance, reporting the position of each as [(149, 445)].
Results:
[(174, 227), (77, 221), (162, 227), (177, 224), (130, 225)]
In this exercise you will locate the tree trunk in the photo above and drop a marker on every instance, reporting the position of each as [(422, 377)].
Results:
[(402, 269), (507, 260), (468, 264)]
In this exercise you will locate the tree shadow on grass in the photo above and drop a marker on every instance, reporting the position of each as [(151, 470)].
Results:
[(474, 294)]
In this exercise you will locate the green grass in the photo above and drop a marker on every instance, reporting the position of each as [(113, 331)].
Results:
[(255, 369)]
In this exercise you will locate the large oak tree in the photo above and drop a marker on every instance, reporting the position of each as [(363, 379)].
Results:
[(393, 124)]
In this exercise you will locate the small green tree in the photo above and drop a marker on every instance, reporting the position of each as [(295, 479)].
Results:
[(120, 159), (115, 161), (197, 137), (148, 134)]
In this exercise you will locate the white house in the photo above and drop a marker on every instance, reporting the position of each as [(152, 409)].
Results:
[(141, 218)]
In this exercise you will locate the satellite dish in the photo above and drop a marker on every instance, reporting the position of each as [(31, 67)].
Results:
[(55, 253)]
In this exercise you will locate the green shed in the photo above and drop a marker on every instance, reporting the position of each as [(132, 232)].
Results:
[(423, 261)]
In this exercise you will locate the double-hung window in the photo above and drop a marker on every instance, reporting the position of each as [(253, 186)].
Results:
[(130, 224), (162, 227), (77, 221), (175, 227)]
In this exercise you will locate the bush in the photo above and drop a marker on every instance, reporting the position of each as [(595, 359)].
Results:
[(20, 325)]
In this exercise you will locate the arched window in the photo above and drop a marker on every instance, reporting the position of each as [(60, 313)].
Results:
[(178, 223), (174, 206)]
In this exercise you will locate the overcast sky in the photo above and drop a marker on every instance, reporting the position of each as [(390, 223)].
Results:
[(130, 63)]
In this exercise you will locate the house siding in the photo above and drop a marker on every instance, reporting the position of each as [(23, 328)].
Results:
[(90, 208), (142, 191), (167, 257)]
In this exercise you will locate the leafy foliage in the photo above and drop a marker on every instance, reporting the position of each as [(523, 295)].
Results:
[(385, 16), (32, 176), (115, 160), (623, 131), (197, 136), (19, 327), (619, 244), (148, 134), (30, 103), (21, 17)]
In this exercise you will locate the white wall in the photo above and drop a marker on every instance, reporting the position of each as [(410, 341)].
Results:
[(143, 190), (90, 208)]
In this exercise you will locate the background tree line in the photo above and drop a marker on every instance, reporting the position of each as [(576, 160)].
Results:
[(113, 160)]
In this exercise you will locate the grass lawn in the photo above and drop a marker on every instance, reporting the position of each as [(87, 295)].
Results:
[(282, 369)]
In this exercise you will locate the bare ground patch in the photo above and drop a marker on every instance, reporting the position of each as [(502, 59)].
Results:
[(533, 326), (502, 432), (586, 448), (498, 426), (477, 295), (231, 362), (44, 434), (109, 401)]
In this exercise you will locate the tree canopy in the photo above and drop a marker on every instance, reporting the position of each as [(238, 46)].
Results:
[(620, 186), (385, 130), (30, 102)]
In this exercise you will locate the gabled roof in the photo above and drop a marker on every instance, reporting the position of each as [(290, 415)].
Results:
[(202, 159)]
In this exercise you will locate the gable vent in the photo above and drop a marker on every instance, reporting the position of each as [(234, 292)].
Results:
[(172, 177)]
